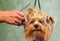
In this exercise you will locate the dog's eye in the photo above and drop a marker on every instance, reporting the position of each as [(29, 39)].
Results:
[(41, 21), (31, 22)]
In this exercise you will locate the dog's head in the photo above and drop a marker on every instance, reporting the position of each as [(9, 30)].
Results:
[(38, 26)]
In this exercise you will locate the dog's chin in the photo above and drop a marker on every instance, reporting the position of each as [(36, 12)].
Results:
[(38, 36)]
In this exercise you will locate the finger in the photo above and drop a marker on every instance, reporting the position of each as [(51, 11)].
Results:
[(19, 22), (20, 18), (20, 13), (23, 20)]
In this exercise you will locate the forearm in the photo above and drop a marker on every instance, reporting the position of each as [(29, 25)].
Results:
[(1, 16)]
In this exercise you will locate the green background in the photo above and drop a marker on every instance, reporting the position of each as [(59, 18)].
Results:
[(15, 33)]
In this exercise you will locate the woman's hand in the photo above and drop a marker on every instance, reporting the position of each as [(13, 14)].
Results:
[(14, 17)]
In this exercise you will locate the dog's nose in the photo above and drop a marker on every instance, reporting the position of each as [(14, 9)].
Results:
[(36, 26)]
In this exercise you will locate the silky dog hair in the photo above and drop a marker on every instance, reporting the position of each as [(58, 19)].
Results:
[(38, 25)]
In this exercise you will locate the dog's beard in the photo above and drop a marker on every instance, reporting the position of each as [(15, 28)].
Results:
[(36, 35)]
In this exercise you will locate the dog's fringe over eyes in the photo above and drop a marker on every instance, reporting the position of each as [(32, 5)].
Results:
[(38, 25)]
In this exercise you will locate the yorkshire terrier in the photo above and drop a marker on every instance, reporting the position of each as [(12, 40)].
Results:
[(38, 26)]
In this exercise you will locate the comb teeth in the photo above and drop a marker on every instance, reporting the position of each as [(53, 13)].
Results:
[(25, 7)]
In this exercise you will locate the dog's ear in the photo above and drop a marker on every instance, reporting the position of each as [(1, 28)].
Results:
[(50, 20), (27, 17)]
